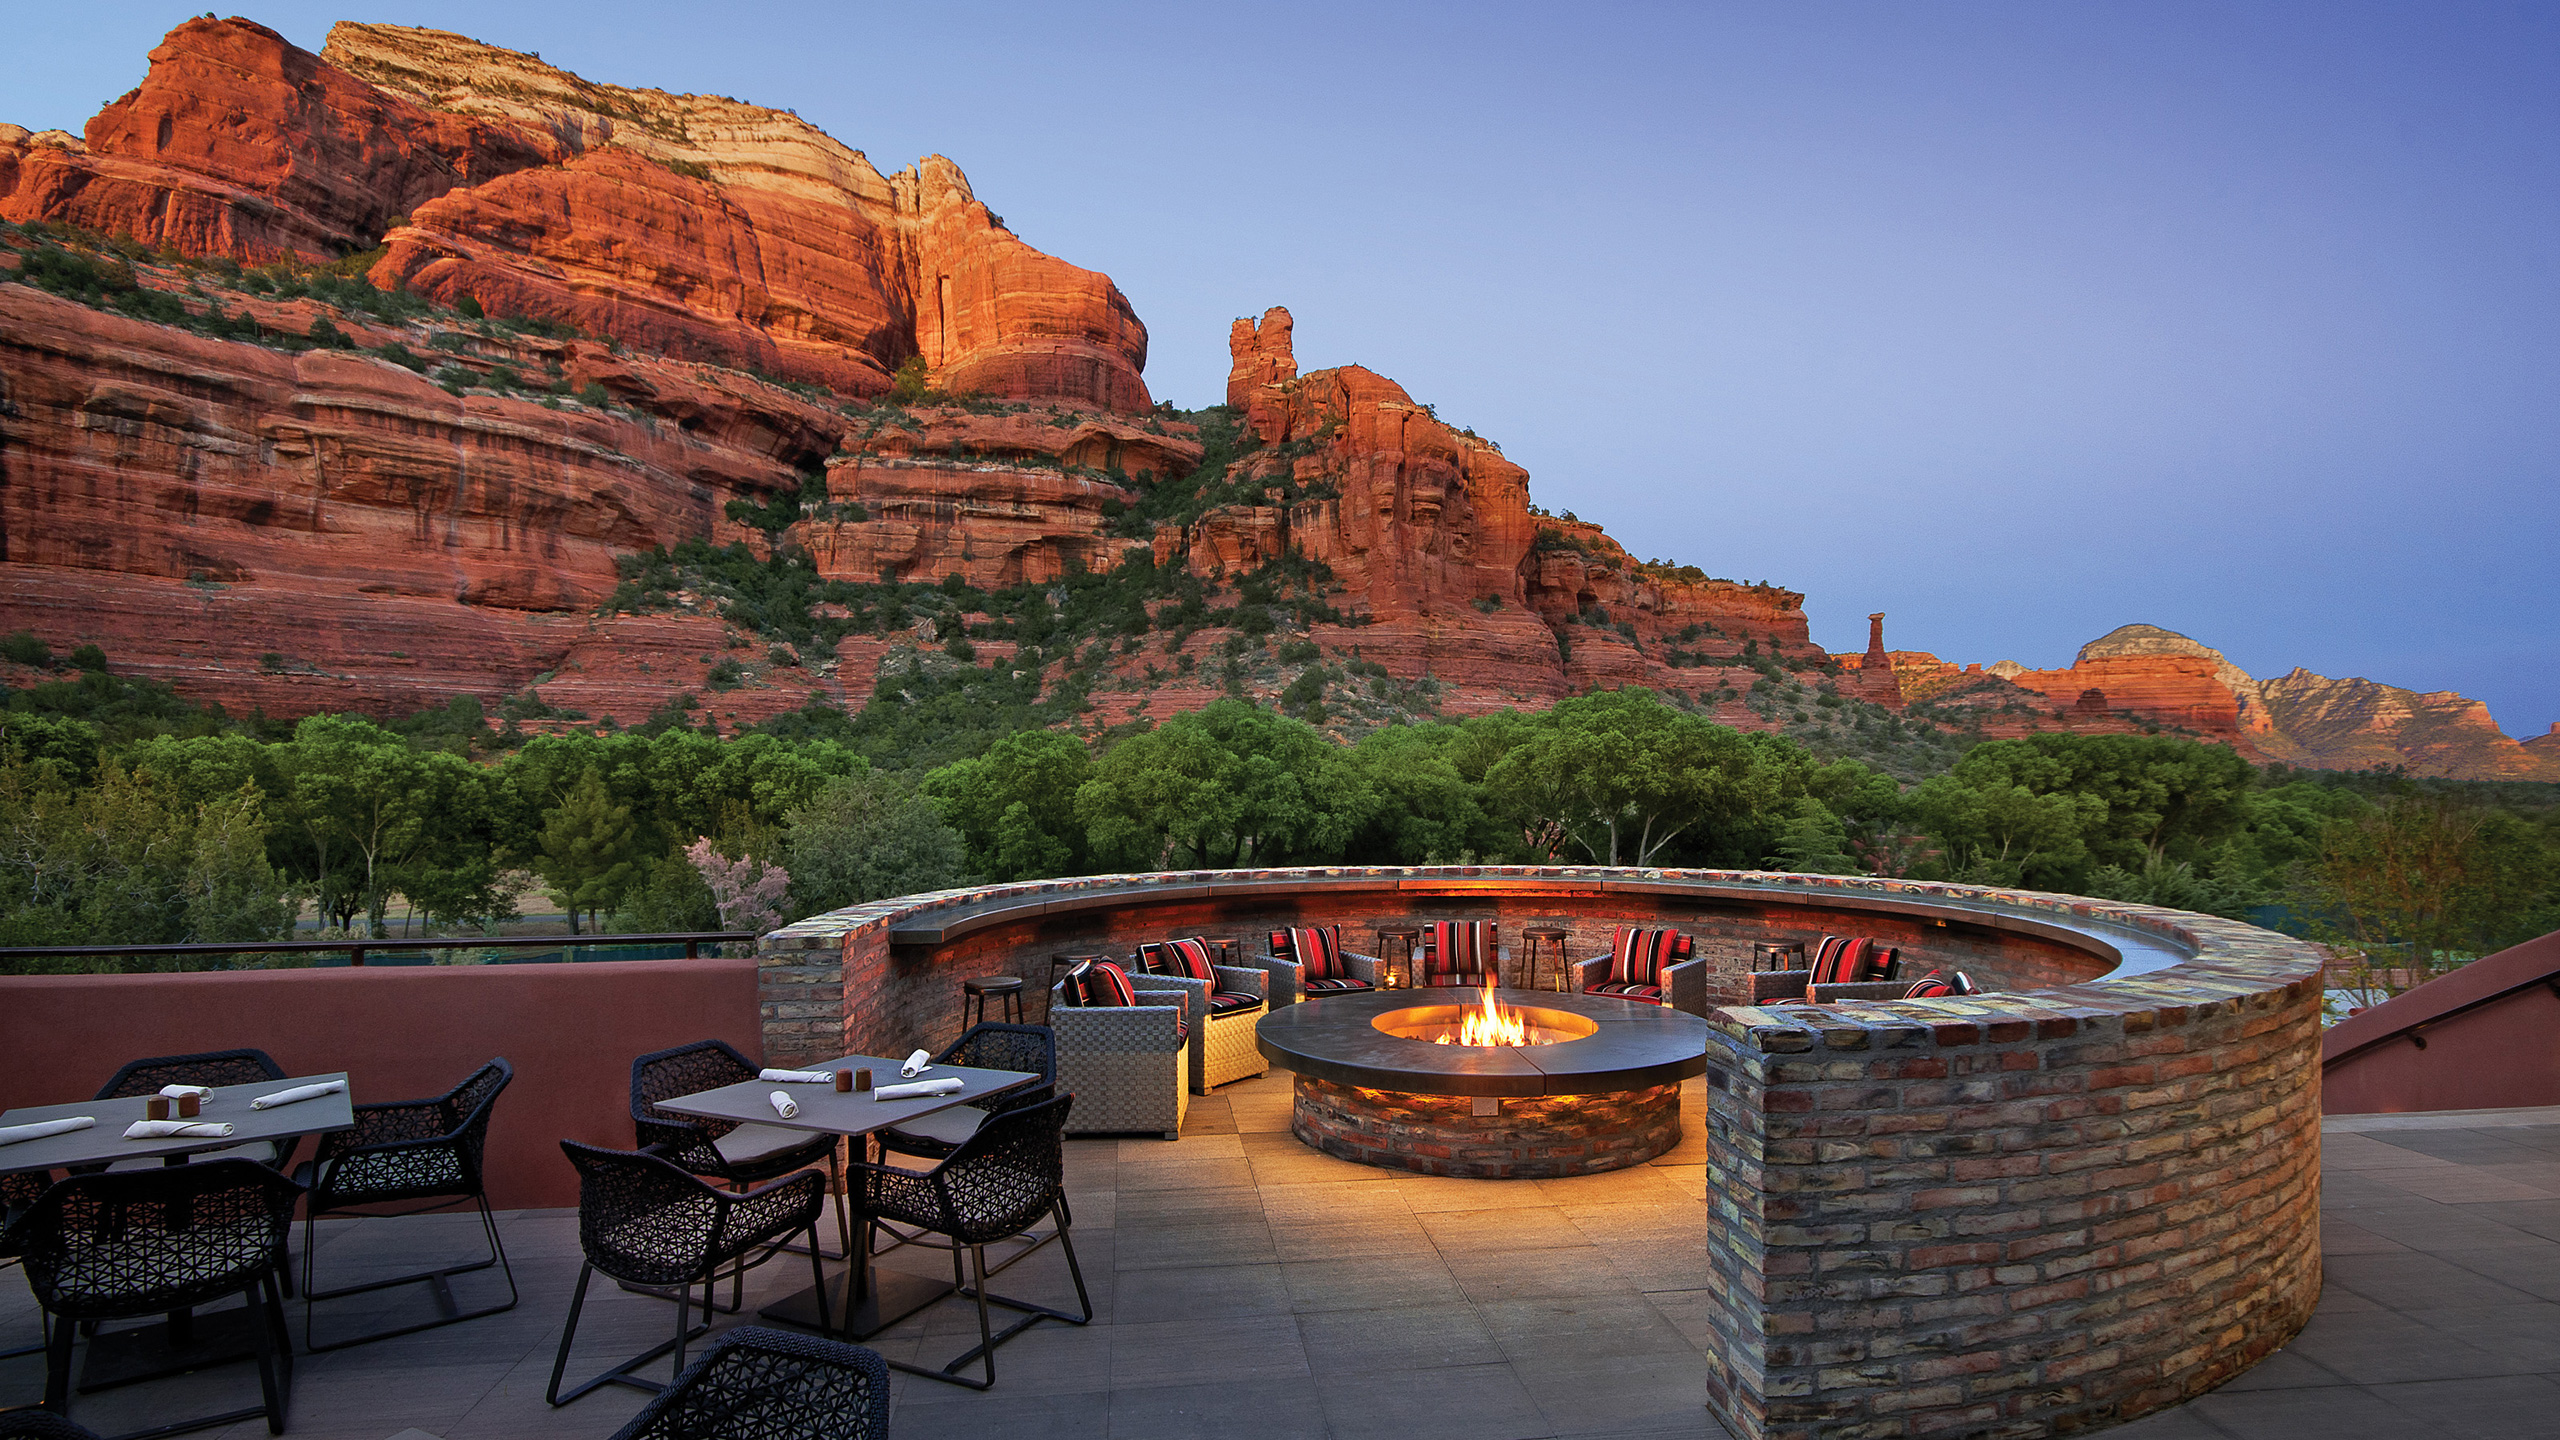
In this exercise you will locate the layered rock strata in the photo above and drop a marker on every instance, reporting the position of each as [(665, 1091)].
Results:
[(686, 225)]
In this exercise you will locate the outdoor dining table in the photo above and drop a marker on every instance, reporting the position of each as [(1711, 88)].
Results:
[(185, 1341), (877, 1300)]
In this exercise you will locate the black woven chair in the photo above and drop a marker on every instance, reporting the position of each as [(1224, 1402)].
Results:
[(984, 1047), (34, 1423), (17, 1192), (420, 1154), (759, 1384), (643, 1220), (140, 1078), (736, 1154), (995, 1186), (120, 1245)]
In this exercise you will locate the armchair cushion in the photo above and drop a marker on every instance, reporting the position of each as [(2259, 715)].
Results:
[(1333, 985), (1851, 959), (1101, 983), (751, 1142), (1459, 952), (1635, 958), (1939, 983), (1628, 990), (1316, 948)]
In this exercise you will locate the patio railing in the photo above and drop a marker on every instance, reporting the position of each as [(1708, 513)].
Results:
[(562, 949)]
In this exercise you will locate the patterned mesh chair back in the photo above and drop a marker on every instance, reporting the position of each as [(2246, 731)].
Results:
[(469, 1106), (139, 1242), (29, 1423), (1460, 952), (214, 1067), (1003, 1177), (641, 1218), (994, 1046), (684, 1070), (760, 1384)]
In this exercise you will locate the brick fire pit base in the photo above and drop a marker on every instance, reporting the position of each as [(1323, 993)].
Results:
[(1537, 1137)]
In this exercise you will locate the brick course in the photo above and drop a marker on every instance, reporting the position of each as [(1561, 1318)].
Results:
[(1529, 1138)]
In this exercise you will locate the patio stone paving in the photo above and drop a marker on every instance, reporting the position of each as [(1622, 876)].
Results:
[(1244, 1285)]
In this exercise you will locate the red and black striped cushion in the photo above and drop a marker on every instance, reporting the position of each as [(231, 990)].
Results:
[(1851, 959), (1939, 983), (1318, 951), (1458, 952), (1222, 1002), (1628, 991), (1636, 957), (1105, 983), (1186, 959), (1336, 983)]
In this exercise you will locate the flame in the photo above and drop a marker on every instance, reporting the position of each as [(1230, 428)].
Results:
[(1490, 1024)]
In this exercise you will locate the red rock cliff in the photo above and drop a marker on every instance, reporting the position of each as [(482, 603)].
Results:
[(684, 225)]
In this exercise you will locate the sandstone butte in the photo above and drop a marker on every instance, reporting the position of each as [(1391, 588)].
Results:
[(331, 531), (690, 226), (2137, 677)]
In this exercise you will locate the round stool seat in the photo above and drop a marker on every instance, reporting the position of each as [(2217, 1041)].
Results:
[(1006, 988)]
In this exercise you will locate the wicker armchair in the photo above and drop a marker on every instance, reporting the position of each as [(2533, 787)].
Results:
[(1127, 1062), (1658, 967), (759, 1384), (1226, 999), (1293, 979), (421, 1154), (996, 1186), (738, 1154), (646, 1221), (988, 1046), (118, 1245)]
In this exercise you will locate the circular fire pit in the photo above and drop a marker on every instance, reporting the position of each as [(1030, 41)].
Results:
[(1592, 1084)]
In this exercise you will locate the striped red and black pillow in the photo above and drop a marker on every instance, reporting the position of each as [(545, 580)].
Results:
[(1318, 951), (1849, 959), (1635, 956), (1929, 987), (1188, 959), (1680, 947), (1459, 950), (1105, 983), (1280, 945)]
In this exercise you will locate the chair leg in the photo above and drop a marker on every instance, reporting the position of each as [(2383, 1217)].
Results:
[(266, 1307), (450, 1313), (817, 1272), (621, 1374), (57, 1370)]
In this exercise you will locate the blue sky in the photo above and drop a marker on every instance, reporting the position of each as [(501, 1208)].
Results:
[(2017, 322)]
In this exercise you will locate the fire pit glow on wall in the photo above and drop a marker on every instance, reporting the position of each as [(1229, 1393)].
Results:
[(1502, 1085)]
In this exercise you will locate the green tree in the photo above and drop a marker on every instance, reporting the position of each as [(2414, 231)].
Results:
[(1621, 775), (1426, 810), (1992, 832), (1230, 785), (1015, 806), (2431, 877), (864, 837), (232, 891), (590, 855)]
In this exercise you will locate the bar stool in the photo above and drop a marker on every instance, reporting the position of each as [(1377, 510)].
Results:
[(1774, 954), (1399, 957), (1006, 988), (1060, 964), (1549, 938)]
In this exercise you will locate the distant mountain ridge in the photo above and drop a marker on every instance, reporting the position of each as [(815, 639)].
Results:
[(2146, 675)]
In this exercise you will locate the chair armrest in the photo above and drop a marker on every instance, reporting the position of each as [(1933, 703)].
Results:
[(1121, 1029), (910, 1195), (400, 1122), (1768, 985), (1287, 978), (1690, 986), (1365, 967), (1244, 980), (770, 1211), (1587, 973)]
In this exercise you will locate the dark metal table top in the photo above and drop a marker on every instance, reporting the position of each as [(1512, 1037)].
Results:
[(1637, 1045), (825, 1109), (229, 1104)]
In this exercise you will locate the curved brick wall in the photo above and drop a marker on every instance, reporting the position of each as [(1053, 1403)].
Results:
[(2028, 1212)]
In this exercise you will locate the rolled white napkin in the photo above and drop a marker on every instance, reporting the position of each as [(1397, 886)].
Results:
[(943, 1086), (917, 1064), (797, 1077), (181, 1092), (37, 1130), (784, 1105), (171, 1129), (298, 1092)]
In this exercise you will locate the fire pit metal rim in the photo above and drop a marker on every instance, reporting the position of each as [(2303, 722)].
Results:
[(1637, 1045)]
